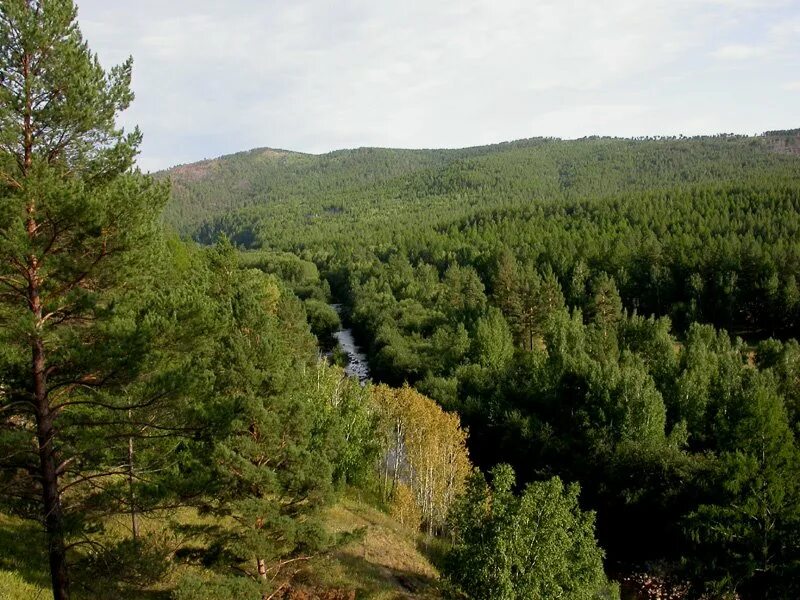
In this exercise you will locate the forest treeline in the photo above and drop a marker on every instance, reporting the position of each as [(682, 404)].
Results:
[(700, 229)]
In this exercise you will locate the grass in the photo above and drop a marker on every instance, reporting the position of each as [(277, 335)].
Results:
[(14, 587), (23, 562), (384, 563), (383, 560)]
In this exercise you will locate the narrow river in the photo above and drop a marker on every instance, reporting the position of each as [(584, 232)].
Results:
[(357, 363)]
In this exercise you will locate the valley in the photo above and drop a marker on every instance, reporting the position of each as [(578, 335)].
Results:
[(531, 369), (579, 304)]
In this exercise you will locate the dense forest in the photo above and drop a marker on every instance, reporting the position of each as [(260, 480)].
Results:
[(586, 377), (699, 229), (617, 313), (168, 427)]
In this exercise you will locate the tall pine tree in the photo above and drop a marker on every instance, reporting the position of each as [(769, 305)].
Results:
[(76, 221)]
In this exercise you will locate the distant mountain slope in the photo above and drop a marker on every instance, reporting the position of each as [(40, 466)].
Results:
[(786, 141), (213, 187), (248, 193)]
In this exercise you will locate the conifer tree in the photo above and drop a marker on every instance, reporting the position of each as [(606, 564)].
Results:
[(76, 222), (749, 536), (290, 428)]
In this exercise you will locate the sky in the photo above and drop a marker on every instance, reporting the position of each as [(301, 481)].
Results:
[(215, 77)]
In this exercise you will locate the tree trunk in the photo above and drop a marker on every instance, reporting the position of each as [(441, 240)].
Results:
[(398, 448), (45, 431), (132, 493), (261, 564), (53, 515)]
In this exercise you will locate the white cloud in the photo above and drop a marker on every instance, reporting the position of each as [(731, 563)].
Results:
[(751, 4), (786, 32), (739, 52), (310, 75)]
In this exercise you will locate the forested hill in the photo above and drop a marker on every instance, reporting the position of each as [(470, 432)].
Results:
[(210, 188), (295, 186), (702, 228), (619, 313)]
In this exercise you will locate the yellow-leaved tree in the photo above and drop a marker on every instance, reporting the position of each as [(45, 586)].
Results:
[(425, 452)]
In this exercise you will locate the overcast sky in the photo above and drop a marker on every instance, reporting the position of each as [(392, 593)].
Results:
[(215, 77)]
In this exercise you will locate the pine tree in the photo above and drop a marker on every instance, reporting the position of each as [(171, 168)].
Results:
[(749, 535), (75, 224), (505, 289), (290, 429)]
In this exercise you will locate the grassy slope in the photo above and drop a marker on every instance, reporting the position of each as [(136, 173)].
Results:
[(385, 562), (23, 562)]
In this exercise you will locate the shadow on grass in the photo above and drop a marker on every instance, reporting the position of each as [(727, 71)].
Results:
[(23, 550), (373, 578), (434, 549), (79, 591)]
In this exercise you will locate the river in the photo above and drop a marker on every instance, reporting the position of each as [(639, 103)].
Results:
[(357, 362)]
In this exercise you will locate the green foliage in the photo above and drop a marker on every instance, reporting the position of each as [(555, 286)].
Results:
[(536, 545), (750, 535), (698, 229), (494, 346), (565, 298), (300, 275), (324, 321), (52, 80), (288, 430), (552, 292), (139, 374), (90, 369)]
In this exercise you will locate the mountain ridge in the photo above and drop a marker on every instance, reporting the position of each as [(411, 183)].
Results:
[(777, 133), (266, 179)]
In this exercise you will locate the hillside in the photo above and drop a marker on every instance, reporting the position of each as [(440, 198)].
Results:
[(245, 192), (578, 360), (621, 314), (383, 562)]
